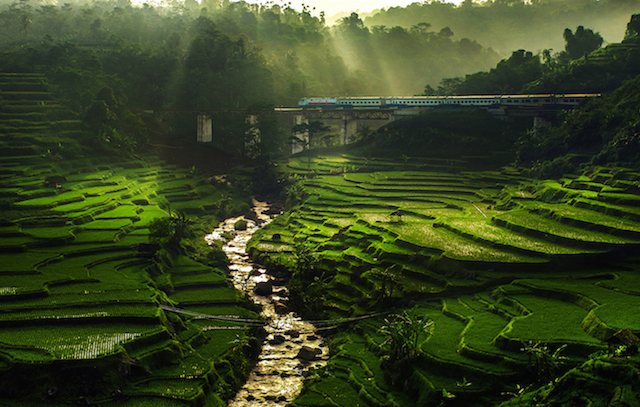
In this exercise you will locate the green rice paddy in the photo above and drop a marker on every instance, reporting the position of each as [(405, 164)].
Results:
[(497, 262), (78, 284)]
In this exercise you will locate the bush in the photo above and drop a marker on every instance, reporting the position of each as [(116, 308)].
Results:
[(552, 169), (170, 229), (241, 225)]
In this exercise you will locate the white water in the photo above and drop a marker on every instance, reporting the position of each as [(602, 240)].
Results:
[(277, 378)]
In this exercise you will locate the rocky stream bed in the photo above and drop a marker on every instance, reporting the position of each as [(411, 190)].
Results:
[(292, 346)]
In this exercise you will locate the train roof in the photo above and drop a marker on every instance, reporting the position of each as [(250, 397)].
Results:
[(457, 96)]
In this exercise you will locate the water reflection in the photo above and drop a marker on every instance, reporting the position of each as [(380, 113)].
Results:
[(292, 345)]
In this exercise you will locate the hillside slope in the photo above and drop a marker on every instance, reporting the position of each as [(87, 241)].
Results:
[(82, 288), (521, 279)]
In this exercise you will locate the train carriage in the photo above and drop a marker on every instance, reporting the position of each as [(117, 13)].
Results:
[(489, 101)]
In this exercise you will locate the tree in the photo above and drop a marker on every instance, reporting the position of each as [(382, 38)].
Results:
[(633, 28), (25, 17), (388, 278), (353, 26), (581, 43), (305, 258), (364, 131), (510, 75), (307, 134), (403, 332), (170, 229), (545, 362)]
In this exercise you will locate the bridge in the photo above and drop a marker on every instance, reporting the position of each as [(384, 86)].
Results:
[(347, 114), (347, 120)]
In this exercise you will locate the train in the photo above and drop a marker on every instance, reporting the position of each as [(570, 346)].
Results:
[(487, 101)]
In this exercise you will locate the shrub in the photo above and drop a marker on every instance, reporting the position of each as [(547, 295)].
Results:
[(403, 332), (170, 229), (552, 169), (241, 225)]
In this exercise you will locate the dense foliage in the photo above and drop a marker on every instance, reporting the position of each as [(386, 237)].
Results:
[(604, 131), (507, 25), (447, 133)]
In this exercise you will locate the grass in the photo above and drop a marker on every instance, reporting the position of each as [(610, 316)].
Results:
[(609, 302), (569, 214), (75, 342), (26, 262), (203, 278), (521, 219), (485, 231), (101, 311), (206, 295), (456, 247), (551, 321)]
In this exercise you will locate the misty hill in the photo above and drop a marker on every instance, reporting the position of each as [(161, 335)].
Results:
[(507, 25), (280, 54)]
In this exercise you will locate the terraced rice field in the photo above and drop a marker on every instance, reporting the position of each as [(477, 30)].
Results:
[(498, 262), (78, 281)]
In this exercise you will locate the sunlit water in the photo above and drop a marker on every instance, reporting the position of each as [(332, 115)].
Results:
[(278, 375)]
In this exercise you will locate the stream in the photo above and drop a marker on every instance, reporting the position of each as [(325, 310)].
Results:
[(292, 346)]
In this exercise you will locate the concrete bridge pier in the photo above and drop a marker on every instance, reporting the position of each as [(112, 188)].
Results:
[(298, 146), (205, 131), (403, 113), (540, 122), (348, 129), (251, 135)]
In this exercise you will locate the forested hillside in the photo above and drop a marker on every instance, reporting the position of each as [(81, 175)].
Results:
[(507, 25)]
